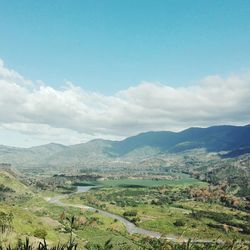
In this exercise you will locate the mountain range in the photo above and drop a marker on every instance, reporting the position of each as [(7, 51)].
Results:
[(231, 140)]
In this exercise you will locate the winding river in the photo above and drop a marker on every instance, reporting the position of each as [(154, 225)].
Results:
[(130, 227)]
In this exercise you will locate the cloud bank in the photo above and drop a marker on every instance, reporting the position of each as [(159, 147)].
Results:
[(71, 114)]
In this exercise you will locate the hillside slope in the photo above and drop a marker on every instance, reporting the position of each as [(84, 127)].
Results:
[(11, 188)]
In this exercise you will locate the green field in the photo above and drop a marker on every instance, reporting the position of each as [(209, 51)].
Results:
[(180, 179)]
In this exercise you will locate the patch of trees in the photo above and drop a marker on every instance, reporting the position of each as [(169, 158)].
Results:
[(225, 219), (234, 172), (62, 180), (6, 189), (217, 194), (5, 192), (131, 216), (80, 177)]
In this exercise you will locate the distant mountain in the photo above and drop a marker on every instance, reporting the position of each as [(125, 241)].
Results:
[(95, 151), (216, 138), (27, 157), (50, 148), (100, 152)]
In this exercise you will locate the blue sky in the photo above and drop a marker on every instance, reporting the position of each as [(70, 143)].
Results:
[(107, 46), (71, 71)]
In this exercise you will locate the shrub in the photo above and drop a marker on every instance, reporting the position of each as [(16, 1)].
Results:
[(130, 213), (179, 223), (40, 233)]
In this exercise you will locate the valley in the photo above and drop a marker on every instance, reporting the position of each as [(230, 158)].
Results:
[(146, 197), (125, 125)]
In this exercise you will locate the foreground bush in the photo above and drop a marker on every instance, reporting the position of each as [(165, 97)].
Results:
[(144, 244)]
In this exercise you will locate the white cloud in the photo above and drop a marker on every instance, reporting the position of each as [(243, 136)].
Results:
[(72, 114), (11, 75)]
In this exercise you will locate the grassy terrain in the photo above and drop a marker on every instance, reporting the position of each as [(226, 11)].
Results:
[(39, 214), (35, 213), (159, 208)]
